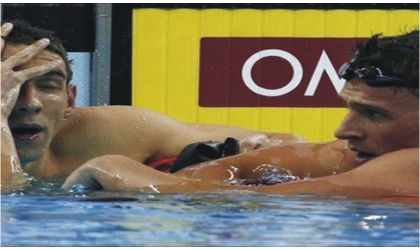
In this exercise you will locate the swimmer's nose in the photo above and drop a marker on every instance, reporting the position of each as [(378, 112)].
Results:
[(350, 128), (28, 101)]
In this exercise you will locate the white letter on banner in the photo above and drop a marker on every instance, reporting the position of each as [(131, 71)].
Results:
[(249, 64), (324, 63)]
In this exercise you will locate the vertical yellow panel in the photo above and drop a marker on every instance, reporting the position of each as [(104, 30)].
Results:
[(342, 23), (278, 23), (216, 23), (150, 58), (183, 49), (246, 22), (310, 23), (378, 21)]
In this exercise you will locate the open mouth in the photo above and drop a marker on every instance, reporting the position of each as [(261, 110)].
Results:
[(26, 133), (363, 157)]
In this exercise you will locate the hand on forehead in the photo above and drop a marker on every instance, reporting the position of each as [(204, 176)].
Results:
[(22, 62)]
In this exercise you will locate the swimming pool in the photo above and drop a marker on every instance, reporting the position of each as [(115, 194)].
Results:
[(47, 216)]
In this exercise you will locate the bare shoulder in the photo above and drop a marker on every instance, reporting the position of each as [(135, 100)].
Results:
[(112, 129), (117, 119), (116, 111)]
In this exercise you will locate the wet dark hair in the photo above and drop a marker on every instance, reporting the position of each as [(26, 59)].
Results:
[(24, 33), (387, 62)]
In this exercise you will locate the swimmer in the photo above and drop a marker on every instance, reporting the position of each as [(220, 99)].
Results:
[(375, 155), (45, 135)]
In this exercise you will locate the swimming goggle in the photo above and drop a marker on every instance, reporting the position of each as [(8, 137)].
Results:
[(372, 76)]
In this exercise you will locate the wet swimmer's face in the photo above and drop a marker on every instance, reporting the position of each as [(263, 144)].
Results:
[(43, 102), (380, 120)]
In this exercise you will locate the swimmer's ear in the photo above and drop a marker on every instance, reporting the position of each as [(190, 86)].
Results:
[(71, 100)]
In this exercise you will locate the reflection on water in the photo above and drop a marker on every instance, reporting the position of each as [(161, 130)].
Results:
[(46, 216)]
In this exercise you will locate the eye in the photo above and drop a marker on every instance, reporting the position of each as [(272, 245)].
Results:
[(49, 84), (374, 114)]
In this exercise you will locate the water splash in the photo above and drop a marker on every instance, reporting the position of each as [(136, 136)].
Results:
[(269, 175), (276, 175)]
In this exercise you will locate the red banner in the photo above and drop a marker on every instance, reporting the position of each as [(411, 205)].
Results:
[(272, 72)]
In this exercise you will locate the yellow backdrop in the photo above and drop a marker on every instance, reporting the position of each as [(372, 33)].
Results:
[(166, 59)]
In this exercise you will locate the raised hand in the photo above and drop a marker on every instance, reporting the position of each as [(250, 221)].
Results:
[(12, 77)]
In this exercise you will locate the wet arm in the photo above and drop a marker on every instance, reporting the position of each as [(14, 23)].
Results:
[(12, 175), (117, 172), (392, 175), (302, 159), (395, 174)]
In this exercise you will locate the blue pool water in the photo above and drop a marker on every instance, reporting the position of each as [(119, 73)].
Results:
[(47, 216)]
